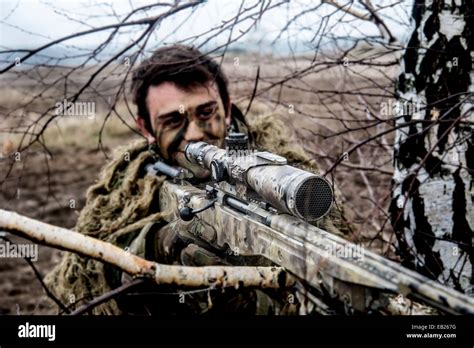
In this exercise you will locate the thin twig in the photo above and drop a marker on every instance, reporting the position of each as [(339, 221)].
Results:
[(108, 295), (40, 279)]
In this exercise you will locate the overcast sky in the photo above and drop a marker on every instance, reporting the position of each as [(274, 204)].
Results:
[(30, 23)]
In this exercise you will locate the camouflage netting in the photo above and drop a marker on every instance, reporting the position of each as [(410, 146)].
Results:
[(123, 201)]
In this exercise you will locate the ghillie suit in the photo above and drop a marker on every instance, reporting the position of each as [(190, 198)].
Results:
[(124, 201)]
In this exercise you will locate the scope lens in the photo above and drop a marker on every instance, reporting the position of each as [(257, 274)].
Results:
[(313, 198)]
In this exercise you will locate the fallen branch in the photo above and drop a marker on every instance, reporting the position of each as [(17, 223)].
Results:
[(211, 276)]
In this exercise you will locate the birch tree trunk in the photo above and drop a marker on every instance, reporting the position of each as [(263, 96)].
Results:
[(432, 209)]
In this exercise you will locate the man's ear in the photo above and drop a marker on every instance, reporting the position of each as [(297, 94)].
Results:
[(142, 127)]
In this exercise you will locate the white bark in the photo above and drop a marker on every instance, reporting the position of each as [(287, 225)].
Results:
[(436, 192)]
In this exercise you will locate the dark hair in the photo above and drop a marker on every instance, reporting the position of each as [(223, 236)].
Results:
[(185, 66)]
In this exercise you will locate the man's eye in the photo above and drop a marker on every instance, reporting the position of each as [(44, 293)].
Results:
[(207, 113), (173, 121)]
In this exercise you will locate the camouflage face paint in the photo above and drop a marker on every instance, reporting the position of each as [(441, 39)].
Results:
[(177, 140), (181, 116)]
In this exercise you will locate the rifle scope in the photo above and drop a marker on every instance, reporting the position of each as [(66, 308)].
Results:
[(292, 190)]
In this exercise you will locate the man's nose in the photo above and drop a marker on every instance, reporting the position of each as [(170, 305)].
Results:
[(193, 132)]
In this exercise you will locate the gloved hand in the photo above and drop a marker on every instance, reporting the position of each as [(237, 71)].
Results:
[(179, 243)]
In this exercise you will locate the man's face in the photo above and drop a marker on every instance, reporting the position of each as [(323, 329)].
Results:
[(179, 117)]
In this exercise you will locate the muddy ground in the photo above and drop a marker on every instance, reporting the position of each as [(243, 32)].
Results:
[(33, 195)]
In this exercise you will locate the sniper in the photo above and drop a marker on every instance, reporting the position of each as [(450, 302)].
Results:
[(181, 96)]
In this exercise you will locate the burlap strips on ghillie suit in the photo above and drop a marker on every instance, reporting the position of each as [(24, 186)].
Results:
[(123, 201)]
